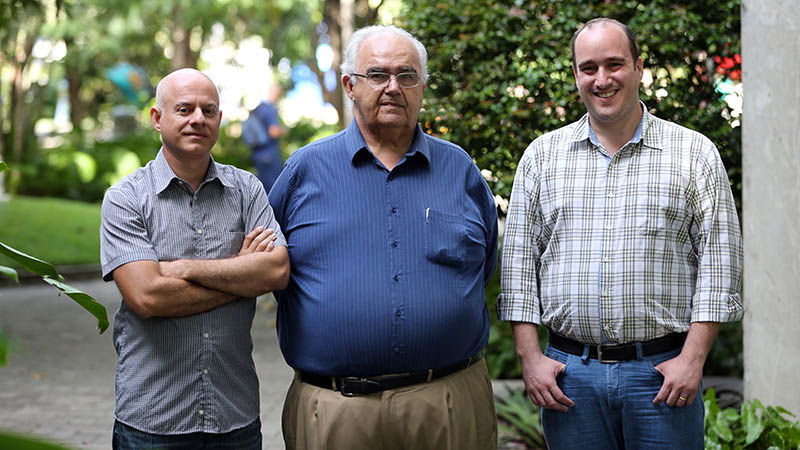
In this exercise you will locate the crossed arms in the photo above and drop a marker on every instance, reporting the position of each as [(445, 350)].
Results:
[(189, 286)]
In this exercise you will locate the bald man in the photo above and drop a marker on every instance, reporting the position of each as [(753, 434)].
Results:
[(190, 244)]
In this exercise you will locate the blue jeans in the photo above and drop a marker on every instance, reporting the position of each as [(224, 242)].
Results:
[(614, 407), (129, 438)]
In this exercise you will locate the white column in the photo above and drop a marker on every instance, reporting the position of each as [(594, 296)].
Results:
[(771, 200)]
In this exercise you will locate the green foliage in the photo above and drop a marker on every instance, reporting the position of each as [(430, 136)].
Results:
[(518, 420), (501, 72), (752, 427), (27, 223), (51, 276), (18, 442)]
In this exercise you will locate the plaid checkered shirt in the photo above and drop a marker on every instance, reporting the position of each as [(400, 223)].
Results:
[(621, 249)]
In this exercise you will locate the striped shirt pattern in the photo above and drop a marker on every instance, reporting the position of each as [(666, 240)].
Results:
[(194, 373), (624, 250), (388, 267)]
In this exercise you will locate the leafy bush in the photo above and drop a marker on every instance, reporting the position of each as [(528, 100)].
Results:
[(751, 427), (518, 420)]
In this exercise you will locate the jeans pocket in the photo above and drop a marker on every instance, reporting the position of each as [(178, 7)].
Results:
[(558, 355), (659, 358)]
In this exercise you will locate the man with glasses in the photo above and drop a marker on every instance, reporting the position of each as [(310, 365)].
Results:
[(392, 235), (622, 239)]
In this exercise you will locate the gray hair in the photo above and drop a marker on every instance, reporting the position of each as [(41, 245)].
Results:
[(350, 60)]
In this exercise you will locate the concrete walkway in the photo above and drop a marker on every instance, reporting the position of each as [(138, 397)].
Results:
[(59, 382)]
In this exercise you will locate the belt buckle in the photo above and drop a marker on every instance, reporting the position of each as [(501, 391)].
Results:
[(600, 356), (354, 386)]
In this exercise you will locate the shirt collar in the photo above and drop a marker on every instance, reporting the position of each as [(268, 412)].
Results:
[(164, 173), (646, 132), (356, 145)]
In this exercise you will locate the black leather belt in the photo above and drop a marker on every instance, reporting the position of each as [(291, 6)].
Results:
[(617, 352), (352, 386)]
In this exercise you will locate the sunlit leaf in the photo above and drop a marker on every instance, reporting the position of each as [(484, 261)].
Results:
[(10, 273), (85, 300), (33, 264)]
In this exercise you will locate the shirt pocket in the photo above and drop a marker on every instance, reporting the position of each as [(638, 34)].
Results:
[(452, 239)]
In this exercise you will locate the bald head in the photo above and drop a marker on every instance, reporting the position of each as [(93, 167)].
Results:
[(605, 21), (181, 76)]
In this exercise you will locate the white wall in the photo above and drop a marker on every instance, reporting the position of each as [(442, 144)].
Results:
[(771, 200)]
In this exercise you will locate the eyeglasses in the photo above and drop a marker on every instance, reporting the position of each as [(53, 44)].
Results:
[(378, 80)]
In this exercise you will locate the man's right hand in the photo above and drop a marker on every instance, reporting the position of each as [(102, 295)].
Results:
[(539, 374), (538, 371), (258, 240)]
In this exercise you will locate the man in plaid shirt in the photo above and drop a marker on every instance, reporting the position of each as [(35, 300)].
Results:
[(622, 238)]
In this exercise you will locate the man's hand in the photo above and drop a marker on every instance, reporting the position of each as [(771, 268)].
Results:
[(683, 373), (539, 374), (538, 371), (258, 240), (681, 381)]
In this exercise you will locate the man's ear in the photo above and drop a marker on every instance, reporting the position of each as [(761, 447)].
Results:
[(155, 118), (347, 85)]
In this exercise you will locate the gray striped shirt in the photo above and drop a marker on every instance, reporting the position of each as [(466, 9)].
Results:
[(626, 250), (195, 373)]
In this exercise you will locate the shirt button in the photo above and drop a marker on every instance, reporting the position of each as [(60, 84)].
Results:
[(394, 244), (396, 278), (199, 231), (609, 194), (398, 313), (394, 210), (606, 259), (397, 349), (205, 335), (205, 371), (609, 227), (201, 412)]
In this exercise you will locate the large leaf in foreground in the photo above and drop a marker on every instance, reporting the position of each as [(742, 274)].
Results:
[(85, 300), (31, 263)]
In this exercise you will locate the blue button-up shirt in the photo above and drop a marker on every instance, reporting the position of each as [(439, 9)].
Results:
[(388, 267)]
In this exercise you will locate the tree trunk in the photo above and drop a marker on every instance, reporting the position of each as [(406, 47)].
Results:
[(78, 109), (181, 38)]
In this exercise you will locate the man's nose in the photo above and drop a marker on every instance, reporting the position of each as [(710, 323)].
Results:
[(393, 85), (603, 77), (197, 116)]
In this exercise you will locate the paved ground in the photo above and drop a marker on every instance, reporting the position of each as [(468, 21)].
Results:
[(59, 383)]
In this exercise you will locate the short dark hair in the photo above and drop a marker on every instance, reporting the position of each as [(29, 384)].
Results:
[(628, 33)]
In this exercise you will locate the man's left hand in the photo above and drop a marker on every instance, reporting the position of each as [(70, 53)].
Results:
[(681, 381)]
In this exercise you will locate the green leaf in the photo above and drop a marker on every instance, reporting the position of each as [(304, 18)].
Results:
[(18, 442), (5, 346), (751, 424), (10, 273), (3, 166), (85, 300), (33, 264), (722, 429)]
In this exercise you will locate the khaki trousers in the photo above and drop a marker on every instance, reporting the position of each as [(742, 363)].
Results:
[(455, 412)]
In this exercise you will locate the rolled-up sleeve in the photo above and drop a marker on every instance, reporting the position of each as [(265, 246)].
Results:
[(717, 238), (519, 299)]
